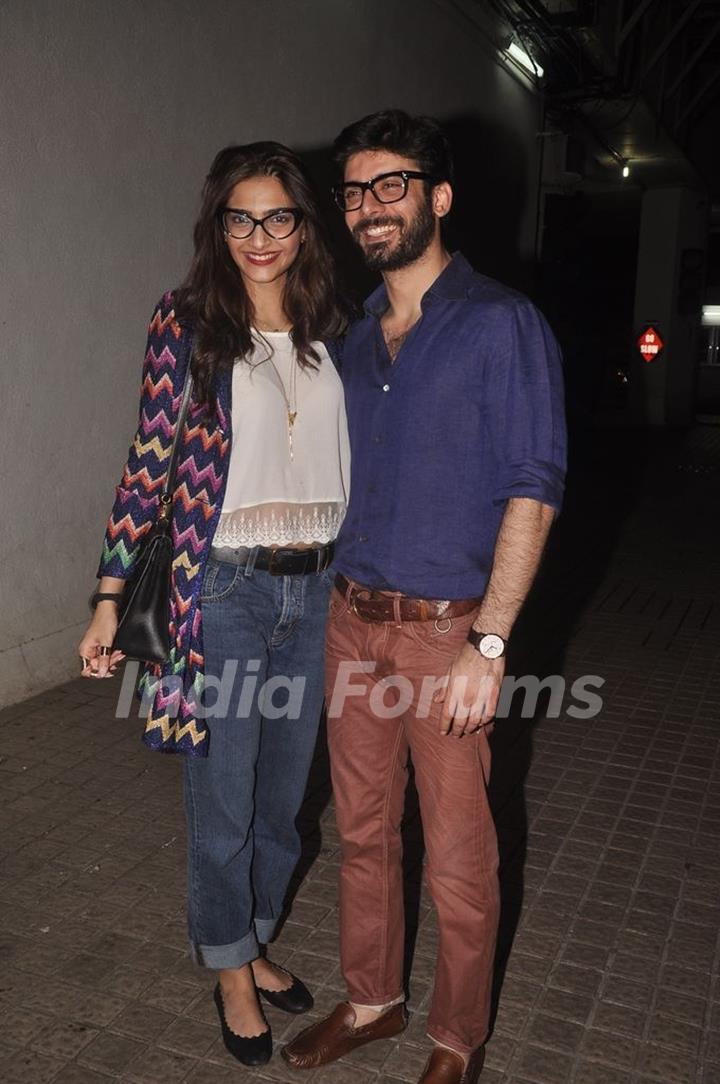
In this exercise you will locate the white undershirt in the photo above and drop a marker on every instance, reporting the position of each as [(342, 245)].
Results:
[(272, 499)]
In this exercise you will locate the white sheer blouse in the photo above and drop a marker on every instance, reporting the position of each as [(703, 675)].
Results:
[(287, 484)]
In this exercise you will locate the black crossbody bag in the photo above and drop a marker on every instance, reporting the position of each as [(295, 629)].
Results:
[(143, 630)]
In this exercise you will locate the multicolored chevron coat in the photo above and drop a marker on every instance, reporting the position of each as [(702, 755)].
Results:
[(175, 688)]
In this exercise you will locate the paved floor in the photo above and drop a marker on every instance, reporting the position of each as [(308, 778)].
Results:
[(609, 830)]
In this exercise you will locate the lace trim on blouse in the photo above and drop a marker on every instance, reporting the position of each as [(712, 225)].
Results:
[(280, 524)]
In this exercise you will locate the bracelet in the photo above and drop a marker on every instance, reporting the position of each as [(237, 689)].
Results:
[(105, 596)]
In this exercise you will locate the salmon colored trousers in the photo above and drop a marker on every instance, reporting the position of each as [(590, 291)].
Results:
[(380, 710)]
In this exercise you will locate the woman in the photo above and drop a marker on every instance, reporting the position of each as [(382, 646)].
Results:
[(260, 494)]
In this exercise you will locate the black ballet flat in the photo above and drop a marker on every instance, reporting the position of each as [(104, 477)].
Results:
[(296, 999), (256, 1050)]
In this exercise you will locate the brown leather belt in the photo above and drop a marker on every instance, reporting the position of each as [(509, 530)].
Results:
[(371, 605)]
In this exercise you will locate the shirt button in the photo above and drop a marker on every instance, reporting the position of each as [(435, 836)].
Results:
[(386, 387), (372, 489), (362, 538), (377, 440)]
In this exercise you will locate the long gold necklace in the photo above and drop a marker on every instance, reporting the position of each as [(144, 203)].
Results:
[(291, 401)]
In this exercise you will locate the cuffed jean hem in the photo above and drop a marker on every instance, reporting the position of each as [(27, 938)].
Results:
[(265, 929), (219, 957)]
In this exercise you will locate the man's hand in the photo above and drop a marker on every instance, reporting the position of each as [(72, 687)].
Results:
[(473, 686), (471, 694)]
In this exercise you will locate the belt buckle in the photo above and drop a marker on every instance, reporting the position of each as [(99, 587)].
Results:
[(357, 595), (272, 563)]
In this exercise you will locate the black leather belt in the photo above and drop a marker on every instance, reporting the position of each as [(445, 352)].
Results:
[(278, 562)]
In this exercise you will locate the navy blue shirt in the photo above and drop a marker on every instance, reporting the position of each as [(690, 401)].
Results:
[(469, 415)]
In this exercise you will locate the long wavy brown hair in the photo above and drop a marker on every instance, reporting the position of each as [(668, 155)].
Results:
[(213, 299)]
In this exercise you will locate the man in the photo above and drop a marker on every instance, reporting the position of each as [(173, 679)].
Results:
[(454, 400)]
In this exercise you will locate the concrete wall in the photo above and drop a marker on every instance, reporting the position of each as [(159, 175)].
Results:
[(673, 221), (112, 112)]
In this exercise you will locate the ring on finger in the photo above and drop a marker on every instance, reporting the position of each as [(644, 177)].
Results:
[(103, 649)]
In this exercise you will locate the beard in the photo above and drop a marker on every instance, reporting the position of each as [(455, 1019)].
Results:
[(415, 238)]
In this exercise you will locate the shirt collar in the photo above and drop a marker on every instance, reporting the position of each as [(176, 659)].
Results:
[(452, 284)]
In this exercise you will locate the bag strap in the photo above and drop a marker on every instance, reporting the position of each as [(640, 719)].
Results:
[(166, 496)]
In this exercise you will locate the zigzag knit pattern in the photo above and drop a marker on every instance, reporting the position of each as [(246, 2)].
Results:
[(173, 691)]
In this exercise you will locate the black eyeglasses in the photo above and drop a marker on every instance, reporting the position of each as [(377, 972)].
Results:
[(278, 224), (386, 188)]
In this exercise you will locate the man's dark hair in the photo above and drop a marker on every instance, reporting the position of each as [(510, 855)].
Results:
[(419, 138)]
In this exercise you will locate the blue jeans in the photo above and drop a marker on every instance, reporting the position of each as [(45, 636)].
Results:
[(241, 801)]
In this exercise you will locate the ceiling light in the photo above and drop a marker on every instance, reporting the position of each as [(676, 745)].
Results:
[(524, 60)]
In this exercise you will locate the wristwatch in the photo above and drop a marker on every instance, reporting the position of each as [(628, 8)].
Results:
[(489, 644)]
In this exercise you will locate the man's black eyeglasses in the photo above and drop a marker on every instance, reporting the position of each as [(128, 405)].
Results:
[(279, 224), (386, 188)]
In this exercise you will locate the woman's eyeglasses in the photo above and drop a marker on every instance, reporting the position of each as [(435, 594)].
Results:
[(278, 224)]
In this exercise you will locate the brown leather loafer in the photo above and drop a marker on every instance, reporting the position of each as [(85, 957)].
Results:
[(334, 1036), (445, 1067)]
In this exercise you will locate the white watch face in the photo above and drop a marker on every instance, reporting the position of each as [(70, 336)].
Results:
[(491, 646)]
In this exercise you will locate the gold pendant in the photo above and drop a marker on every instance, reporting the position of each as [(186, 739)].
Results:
[(292, 415)]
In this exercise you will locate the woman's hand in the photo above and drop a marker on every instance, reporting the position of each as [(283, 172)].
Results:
[(100, 634)]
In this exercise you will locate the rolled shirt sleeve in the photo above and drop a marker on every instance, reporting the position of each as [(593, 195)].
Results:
[(528, 414)]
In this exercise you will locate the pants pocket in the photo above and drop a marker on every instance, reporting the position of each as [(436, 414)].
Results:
[(442, 637), (220, 581)]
